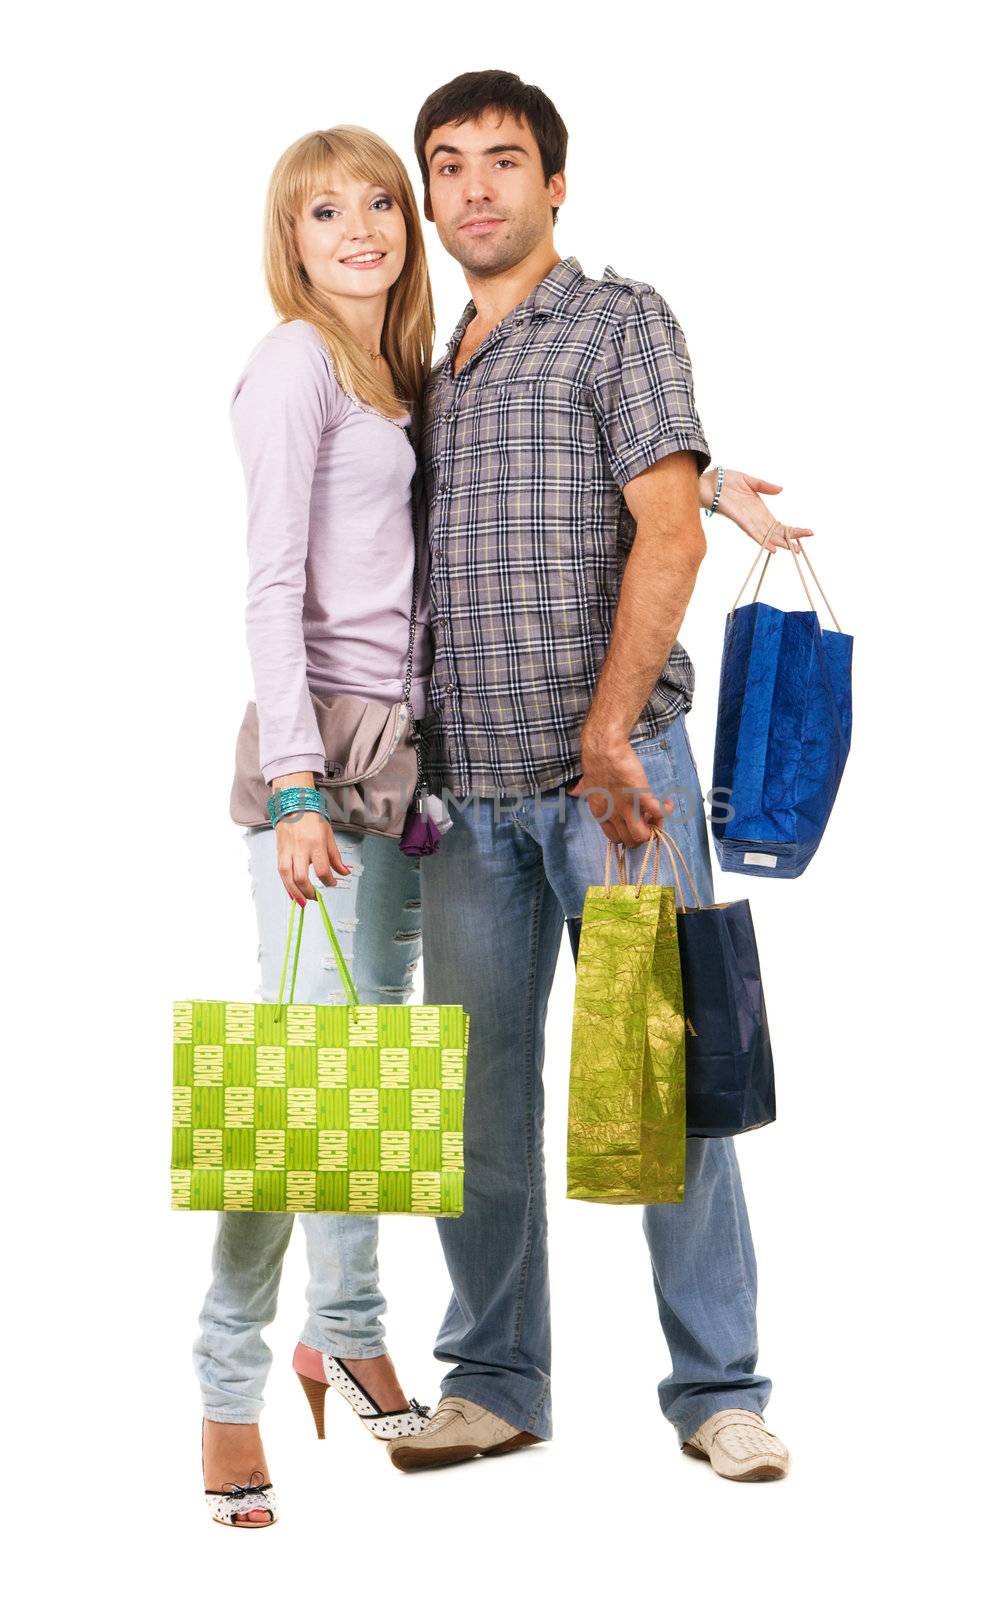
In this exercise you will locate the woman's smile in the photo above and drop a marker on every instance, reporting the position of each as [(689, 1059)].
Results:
[(364, 259)]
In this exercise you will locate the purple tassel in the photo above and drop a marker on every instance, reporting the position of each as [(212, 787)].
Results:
[(420, 836)]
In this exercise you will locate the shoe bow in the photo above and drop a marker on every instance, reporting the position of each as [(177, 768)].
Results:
[(236, 1491)]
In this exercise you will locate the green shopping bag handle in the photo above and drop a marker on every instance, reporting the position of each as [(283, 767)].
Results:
[(659, 837), (342, 965)]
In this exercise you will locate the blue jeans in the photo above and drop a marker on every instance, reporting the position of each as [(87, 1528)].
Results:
[(495, 898), (376, 914)]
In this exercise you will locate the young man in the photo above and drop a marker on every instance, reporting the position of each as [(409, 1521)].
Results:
[(562, 453)]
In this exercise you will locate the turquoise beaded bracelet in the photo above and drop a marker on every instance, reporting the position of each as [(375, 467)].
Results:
[(293, 801), (709, 510)]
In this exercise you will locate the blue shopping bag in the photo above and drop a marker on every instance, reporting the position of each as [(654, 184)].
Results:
[(730, 1083), (784, 722)]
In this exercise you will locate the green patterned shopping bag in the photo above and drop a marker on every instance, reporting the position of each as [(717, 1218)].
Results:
[(285, 1107)]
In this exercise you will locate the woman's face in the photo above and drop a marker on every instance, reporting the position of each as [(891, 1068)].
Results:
[(352, 238)]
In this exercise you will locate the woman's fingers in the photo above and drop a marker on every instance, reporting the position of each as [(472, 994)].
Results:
[(762, 485), (327, 861), (307, 842), (783, 537), (302, 861), (336, 858), (294, 862)]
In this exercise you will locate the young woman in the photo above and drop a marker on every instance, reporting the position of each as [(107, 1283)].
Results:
[(321, 416)]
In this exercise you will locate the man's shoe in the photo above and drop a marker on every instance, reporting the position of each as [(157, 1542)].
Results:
[(737, 1445), (458, 1431)]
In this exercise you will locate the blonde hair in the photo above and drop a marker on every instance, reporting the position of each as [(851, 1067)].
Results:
[(408, 329)]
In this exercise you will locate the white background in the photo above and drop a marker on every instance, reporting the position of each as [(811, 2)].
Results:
[(809, 187)]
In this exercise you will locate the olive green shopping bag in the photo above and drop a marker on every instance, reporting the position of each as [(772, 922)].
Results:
[(285, 1107), (626, 1115)]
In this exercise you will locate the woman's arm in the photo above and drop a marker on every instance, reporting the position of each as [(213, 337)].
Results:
[(279, 410), (740, 502)]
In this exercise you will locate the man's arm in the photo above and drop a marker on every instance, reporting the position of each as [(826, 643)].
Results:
[(658, 581)]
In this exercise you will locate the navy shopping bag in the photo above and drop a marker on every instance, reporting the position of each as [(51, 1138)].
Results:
[(729, 1082), (784, 722)]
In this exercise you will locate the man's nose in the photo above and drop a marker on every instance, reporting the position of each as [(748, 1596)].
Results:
[(479, 188)]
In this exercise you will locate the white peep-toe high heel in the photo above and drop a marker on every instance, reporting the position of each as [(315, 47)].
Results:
[(381, 1424)]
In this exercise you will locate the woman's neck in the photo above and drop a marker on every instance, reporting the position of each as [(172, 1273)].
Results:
[(364, 318)]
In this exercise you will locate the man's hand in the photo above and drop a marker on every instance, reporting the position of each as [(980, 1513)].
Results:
[(616, 773)]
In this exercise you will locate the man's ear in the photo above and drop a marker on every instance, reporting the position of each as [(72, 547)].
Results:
[(429, 214), (557, 187)]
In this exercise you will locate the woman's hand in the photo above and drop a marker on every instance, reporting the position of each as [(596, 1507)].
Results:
[(305, 841), (740, 501)]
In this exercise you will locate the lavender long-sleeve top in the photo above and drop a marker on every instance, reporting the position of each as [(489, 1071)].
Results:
[(330, 545)]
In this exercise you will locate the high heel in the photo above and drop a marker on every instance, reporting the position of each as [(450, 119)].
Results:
[(239, 1499), (316, 1394), (381, 1424)]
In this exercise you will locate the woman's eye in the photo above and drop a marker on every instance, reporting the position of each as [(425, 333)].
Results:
[(325, 213), (384, 202)]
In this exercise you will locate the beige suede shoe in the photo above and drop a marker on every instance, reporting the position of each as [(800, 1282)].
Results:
[(738, 1446), (458, 1431)]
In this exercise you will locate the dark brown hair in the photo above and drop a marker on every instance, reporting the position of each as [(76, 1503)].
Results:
[(466, 99)]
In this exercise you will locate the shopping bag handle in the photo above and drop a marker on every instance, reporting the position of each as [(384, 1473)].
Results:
[(624, 877), (673, 850), (342, 965), (658, 838), (803, 580)]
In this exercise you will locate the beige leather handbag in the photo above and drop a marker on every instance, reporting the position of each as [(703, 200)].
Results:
[(370, 767)]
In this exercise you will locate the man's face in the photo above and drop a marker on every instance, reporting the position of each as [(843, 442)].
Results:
[(486, 194)]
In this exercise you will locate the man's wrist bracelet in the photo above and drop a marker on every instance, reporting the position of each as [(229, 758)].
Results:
[(295, 801), (709, 510)]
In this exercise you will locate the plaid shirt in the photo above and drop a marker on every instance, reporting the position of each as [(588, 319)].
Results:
[(526, 453)]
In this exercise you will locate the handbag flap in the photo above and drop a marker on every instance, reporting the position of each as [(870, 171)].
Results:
[(358, 735)]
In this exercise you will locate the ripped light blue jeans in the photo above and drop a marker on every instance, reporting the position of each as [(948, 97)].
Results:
[(376, 913)]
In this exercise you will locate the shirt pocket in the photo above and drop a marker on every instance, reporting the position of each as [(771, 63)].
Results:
[(538, 418)]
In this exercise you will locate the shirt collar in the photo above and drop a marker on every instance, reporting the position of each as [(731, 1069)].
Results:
[(546, 300)]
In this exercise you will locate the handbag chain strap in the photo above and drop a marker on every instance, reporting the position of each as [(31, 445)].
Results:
[(415, 726), (800, 570)]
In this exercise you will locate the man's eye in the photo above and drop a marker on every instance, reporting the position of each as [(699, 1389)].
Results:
[(505, 162), (449, 166)]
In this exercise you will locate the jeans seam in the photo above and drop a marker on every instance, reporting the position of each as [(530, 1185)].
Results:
[(746, 1286), (530, 1119)]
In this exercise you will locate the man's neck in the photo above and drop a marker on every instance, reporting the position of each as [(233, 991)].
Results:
[(495, 296)]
